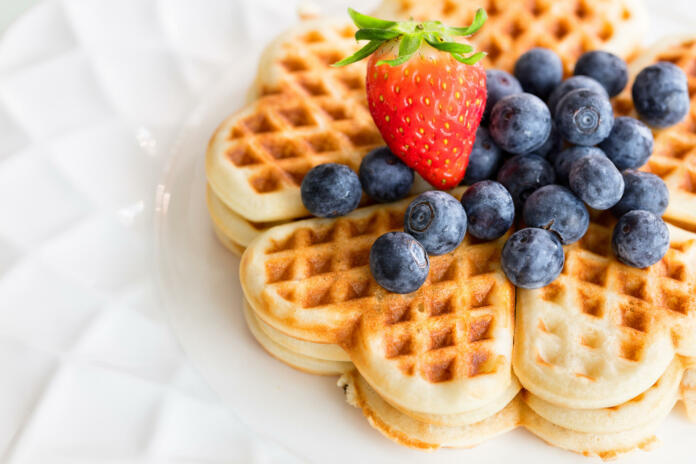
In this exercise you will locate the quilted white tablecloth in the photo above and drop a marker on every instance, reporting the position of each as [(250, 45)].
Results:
[(91, 95)]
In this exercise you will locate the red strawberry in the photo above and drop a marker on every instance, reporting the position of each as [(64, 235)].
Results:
[(425, 96)]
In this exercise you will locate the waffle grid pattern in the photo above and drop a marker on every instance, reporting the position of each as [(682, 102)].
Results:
[(569, 28), (309, 267), (446, 331), (443, 331), (631, 303), (311, 114)]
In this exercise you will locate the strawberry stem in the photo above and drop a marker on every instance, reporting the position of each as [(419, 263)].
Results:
[(411, 35)]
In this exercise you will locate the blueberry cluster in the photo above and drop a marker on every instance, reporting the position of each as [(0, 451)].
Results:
[(554, 148), (435, 223), (557, 148)]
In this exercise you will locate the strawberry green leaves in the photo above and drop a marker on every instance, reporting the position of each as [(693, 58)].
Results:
[(411, 35), (368, 22), (479, 19), (472, 59), (363, 53), (376, 34), (449, 47), (456, 49)]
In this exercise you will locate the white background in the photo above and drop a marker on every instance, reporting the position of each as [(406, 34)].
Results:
[(11, 9), (91, 95)]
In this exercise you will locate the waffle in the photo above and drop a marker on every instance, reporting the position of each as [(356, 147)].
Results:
[(407, 431), (603, 445), (603, 332), (468, 417), (296, 360), (232, 246), (674, 155), (231, 225), (306, 113), (328, 352), (688, 393), (443, 349), (570, 28), (650, 406), (606, 432), (280, 285)]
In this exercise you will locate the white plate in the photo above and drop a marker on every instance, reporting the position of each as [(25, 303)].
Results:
[(307, 414)]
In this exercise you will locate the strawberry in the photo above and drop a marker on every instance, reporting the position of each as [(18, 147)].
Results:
[(425, 96)]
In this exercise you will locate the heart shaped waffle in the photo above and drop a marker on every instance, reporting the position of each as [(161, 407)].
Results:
[(306, 114), (603, 332), (445, 348)]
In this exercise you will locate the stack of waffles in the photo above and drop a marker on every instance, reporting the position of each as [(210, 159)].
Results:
[(440, 355), (599, 357), (608, 336), (602, 350)]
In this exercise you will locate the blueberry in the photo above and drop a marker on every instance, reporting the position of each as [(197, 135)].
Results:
[(485, 158), (523, 174), (489, 209), (437, 220), (398, 262), (556, 209), (565, 159), (384, 177), (643, 190), (539, 70), (570, 84), (532, 258), (630, 143), (596, 181), (330, 190), (606, 68), (552, 145), (661, 94), (499, 84), (520, 123), (640, 238), (584, 117)]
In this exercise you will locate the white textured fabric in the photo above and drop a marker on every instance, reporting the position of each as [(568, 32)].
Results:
[(91, 95)]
